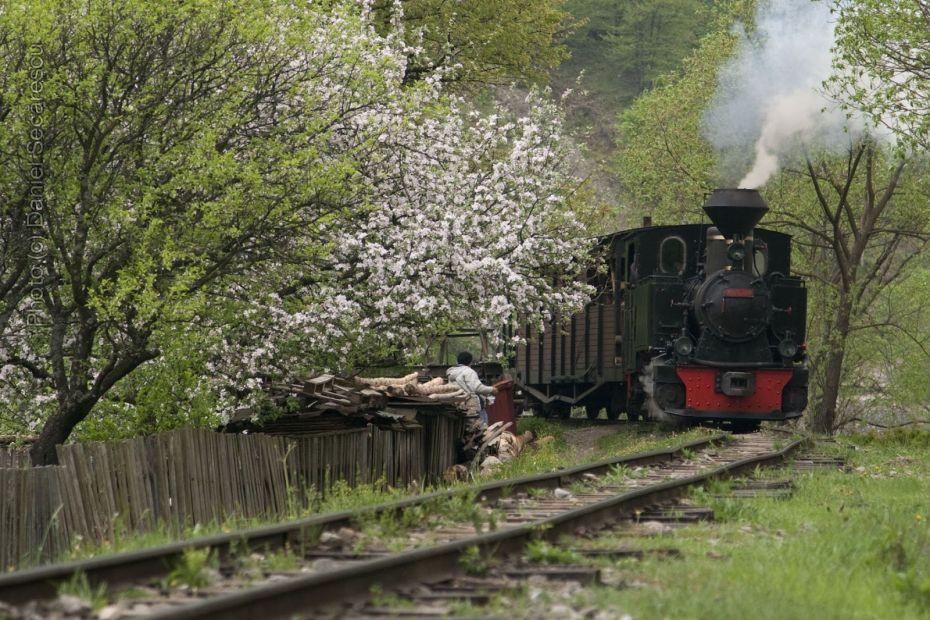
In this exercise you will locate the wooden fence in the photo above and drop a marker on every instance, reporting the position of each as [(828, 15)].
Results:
[(14, 457), (441, 431), (31, 522), (188, 476)]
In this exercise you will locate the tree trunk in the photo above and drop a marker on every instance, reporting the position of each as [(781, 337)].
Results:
[(56, 430), (824, 419)]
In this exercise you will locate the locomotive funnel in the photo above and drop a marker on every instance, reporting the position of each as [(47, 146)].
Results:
[(735, 212)]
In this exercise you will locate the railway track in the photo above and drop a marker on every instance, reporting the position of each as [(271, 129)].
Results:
[(335, 561)]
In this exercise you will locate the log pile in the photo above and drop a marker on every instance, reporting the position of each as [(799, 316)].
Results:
[(325, 403), (487, 448), (435, 390)]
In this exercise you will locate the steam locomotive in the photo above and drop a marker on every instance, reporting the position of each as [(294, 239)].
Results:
[(690, 322)]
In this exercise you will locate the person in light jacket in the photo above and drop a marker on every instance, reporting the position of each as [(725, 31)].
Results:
[(466, 378)]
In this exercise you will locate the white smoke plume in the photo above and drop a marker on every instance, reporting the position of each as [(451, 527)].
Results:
[(770, 99)]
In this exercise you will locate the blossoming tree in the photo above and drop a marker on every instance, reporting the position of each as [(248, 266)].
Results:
[(256, 180)]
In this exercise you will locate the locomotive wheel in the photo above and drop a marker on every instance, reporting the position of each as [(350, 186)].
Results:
[(593, 411)]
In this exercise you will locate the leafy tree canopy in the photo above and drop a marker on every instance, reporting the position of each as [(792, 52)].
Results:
[(883, 64), (241, 191), (481, 41)]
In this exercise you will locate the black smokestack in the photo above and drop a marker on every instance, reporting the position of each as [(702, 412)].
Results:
[(735, 212)]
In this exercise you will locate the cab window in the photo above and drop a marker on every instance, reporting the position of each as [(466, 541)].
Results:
[(760, 260), (672, 255)]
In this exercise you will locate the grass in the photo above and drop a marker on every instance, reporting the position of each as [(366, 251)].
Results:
[(475, 563), (542, 552), (192, 570), (79, 587), (283, 560), (845, 545), (624, 440)]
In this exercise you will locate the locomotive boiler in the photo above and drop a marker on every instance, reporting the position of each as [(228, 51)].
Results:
[(690, 322)]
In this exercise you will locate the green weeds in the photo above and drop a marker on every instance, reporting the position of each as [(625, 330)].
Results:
[(541, 552), (389, 600), (192, 570), (79, 586), (284, 560), (390, 528), (474, 563)]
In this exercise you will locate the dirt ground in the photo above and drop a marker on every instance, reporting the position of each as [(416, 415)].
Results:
[(584, 440)]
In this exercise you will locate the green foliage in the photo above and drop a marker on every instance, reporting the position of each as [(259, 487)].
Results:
[(474, 563), (461, 507), (905, 550), (663, 162), (881, 64), (541, 552), (157, 184), (344, 496), (909, 438), (636, 438), (192, 569), (555, 454), (160, 396), (624, 47), (616, 473), (79, 586), (283, 561), (391, 528), (618, 50), (485, 41), (665, 166), (390, 600), (650, 37)]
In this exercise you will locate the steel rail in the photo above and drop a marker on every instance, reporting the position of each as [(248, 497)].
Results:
[(319, 591), (42, 582)]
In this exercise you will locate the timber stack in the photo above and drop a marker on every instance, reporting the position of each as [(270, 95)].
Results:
[(485, 448), (327, 403)]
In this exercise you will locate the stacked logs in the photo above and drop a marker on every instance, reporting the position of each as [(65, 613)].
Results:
[(436, 390), (326, 402), (486, 448)]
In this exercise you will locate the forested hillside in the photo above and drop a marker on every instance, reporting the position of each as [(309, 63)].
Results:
[(617, 51)]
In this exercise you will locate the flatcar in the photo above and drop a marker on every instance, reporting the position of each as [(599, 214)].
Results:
[(694, 322)]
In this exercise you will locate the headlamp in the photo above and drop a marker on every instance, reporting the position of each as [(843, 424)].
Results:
[(787, 348), (684, 347)]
